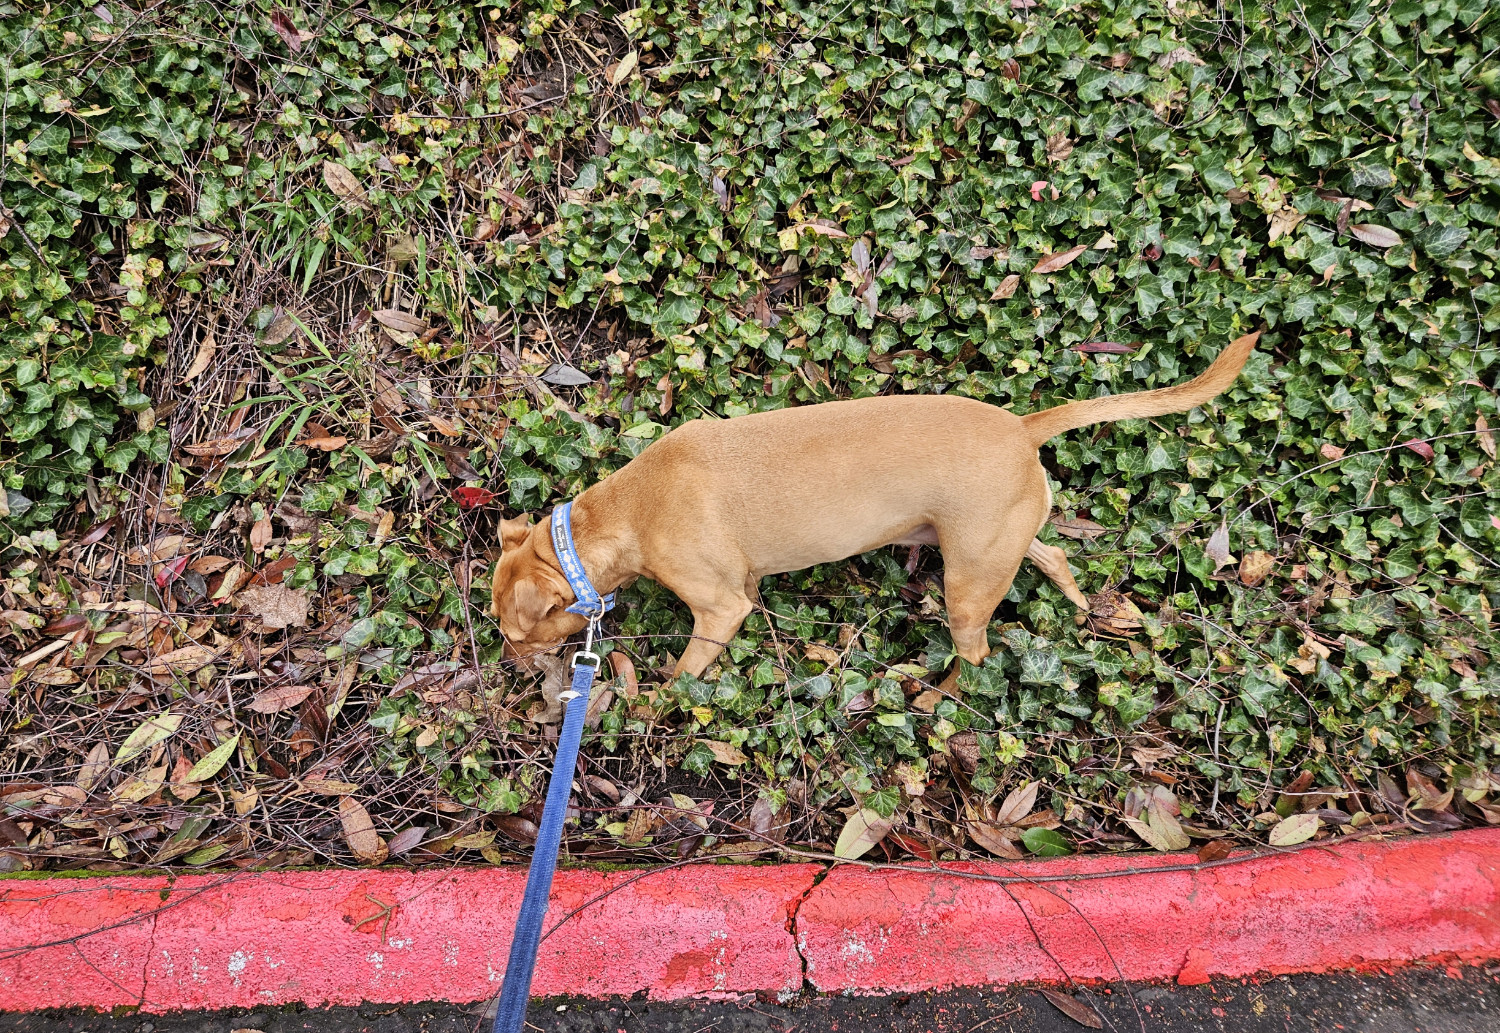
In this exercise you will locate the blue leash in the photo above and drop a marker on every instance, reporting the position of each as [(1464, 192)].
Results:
[(515, 991)]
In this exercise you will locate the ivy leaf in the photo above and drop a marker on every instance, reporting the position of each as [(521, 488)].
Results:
[(1046, 843), (118, 139)]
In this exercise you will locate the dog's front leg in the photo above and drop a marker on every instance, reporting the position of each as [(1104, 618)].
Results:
[(713, 626)]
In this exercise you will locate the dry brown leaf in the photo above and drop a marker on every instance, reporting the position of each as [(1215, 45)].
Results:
[(260, 535), (395, 319), (179, 784), (1058, 147), (65, 796), (1284, 221), (1007, 287), (1375, 236), (1485, 435), (1078, 527), (324, 444), (827, 227), (927, 701), (1018, 804), (180, 661), (282, 697), (359, 832), (1332, 453), (215, 447), (384, 528), (206, 349), (724, 753), (206, 565), (163, 548), (329, 787), (1255, 566), (343, 182), (1073, 1008), (1217, 548), (822, 654), (1060, 260), (664, 385), (93, 767), (277, 606), (443, 425), (1114, 612), (996, 840)]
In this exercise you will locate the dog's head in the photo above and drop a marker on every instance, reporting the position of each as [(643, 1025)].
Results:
[(529, 595)]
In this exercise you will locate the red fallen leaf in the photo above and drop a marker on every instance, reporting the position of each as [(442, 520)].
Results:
[(1421, 448), (473, 498), (282, 23), (407, 840), (1214, 850), (65, 625), (1495, 522), (173, 569), (1036, 189), (272, 573), (97, 532), (1106, 348)]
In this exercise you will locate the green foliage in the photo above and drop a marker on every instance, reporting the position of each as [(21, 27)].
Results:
[(1222, 170)]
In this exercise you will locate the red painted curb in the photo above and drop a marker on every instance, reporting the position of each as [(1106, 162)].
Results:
[(322, 937), (1349, 906)]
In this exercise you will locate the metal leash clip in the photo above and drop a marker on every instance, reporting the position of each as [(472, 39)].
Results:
[(585, 656)]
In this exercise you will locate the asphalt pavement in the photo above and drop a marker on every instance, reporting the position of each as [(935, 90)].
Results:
[(1429, 1000)]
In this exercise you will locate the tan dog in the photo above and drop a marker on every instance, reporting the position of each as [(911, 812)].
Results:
[(716, 505)]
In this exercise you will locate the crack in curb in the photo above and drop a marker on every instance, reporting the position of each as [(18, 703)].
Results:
[(794, 911), (146, 963)]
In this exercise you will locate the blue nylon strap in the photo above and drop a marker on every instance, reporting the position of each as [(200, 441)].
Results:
[(589, 603), (515, 991)]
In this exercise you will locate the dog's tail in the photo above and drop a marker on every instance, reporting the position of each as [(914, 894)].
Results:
[(1180, 398)]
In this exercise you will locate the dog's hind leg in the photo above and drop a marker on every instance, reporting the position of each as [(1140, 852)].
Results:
[(1053, 562)]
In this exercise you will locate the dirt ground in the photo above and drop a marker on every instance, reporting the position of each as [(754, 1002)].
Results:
[(1415, 1001)]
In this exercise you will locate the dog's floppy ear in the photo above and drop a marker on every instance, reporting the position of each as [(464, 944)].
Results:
[(513, 532), (534, 600)]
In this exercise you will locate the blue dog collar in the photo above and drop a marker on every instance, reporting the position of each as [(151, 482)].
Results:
[(589, 603)]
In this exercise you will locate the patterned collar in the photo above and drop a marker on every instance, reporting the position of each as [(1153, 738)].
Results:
[(589, 603)]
